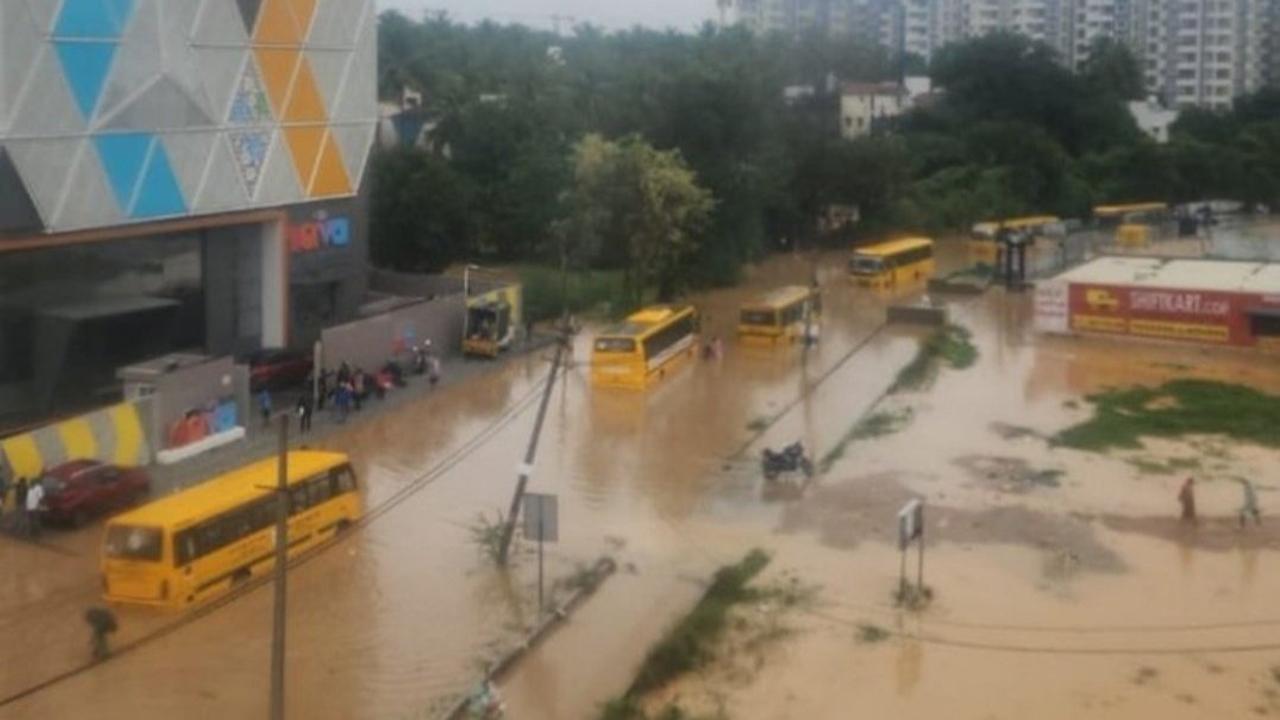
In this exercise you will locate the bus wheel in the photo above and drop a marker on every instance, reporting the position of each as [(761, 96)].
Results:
[(342, 527), (240, 577)]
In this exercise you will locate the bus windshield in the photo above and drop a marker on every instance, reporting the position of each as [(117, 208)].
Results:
[(615, 345), (126, 542), (866, 264), (758, 317)]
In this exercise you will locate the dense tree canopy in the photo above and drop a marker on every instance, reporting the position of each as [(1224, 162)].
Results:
[(522, 120)]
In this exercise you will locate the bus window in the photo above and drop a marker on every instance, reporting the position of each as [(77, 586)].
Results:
[(615, 345), (664, 339), (867, 264), (757, 317), (134, 543), (319, 489), (344, 480)]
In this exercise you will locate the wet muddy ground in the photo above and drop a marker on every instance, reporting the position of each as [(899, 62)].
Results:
[(1030, 546)]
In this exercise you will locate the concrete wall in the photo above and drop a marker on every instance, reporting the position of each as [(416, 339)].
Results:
[(368, 343), (196, 387), (116, 435)]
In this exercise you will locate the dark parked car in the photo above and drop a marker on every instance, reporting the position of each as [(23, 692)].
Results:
[(78, 491), (276, 369)]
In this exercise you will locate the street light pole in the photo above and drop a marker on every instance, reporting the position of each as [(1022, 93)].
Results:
[(281, 570)]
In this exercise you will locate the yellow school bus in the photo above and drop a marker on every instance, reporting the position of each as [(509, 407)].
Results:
[(204, 541), (1136, 224), (645, 348), (894, 263), (984, 246), (779, 315)]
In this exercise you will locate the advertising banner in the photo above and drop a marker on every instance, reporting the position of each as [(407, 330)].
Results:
[(1164, 313)]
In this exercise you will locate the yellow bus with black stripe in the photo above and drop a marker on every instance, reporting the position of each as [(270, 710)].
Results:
[(645, 348), (204, 541), (779, 316), (893, 264)]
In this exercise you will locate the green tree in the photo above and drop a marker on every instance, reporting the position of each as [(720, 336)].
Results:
[(640, 206), (420, 212), (1111, 70)]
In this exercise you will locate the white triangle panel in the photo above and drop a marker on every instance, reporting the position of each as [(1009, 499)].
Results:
[(222, 188), (137, 61), (336, 23), (91, 202), (219, 23), (44, 12), (176, 18), (189, 154), (358, 95), (19, 41), (45, 166), (279, 184), (355, 141), (220, 70), (45, 107)]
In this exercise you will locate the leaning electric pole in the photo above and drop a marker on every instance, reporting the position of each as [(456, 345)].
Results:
[(526, 468), (281, 572)]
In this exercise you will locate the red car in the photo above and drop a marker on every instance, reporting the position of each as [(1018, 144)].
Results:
[(81, 490), (276, 369)]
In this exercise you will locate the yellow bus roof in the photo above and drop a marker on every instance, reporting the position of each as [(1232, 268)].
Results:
[(779, 297), (992, 226), (643, 322), (893, 247), (1113, 210), (229, 490)]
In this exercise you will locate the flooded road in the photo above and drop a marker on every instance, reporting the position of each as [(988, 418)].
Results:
[(397, 619)]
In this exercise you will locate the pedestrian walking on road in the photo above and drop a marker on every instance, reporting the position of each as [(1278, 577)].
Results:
[(264, 405), (342, 401), (322, 393), (35, 506), (1187, 496), (304, 414), (1250, 506), (20, 505), (102, 622)]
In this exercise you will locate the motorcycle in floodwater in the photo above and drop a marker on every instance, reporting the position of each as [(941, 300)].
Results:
[(790, 459)]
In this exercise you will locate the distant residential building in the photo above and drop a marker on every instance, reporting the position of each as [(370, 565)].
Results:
[(1193, 52), (865, 107), (1153, 119)]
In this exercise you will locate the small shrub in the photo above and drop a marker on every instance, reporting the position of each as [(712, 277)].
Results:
[(868, 633)]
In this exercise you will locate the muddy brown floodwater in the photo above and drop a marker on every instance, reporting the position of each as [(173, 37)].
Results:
[(397, 619)]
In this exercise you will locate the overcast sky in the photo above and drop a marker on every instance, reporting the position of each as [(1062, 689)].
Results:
[(614, 14)]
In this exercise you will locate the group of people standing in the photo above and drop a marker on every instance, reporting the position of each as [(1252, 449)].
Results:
[(1248, 509), (349, 387), (22, 506)]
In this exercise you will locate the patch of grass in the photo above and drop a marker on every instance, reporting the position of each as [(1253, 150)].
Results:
[(758, 424), (912, 596), (876, 425), (869, 633), (593, 292), (486, 534), (688, 645), (952, 346), (1181, 407)]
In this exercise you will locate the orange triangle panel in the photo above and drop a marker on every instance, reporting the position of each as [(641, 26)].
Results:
[(305, 103), (303, 12), (278, 67), (331, 173), (277, 25), (305, 145)]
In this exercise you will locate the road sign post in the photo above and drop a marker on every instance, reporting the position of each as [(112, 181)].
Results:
[(910, 527), (541, 522)]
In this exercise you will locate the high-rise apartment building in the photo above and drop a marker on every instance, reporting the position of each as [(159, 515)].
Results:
[(1193, 52)]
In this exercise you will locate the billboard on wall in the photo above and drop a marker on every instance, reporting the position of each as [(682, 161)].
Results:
[(1164, 313)]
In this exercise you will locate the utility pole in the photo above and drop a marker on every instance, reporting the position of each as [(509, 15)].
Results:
[(526, 468), (281, 571)]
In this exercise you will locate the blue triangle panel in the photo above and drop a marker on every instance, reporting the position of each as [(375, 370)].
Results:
[(159, 194), (85, 65), (91, 19), (123, 156)]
